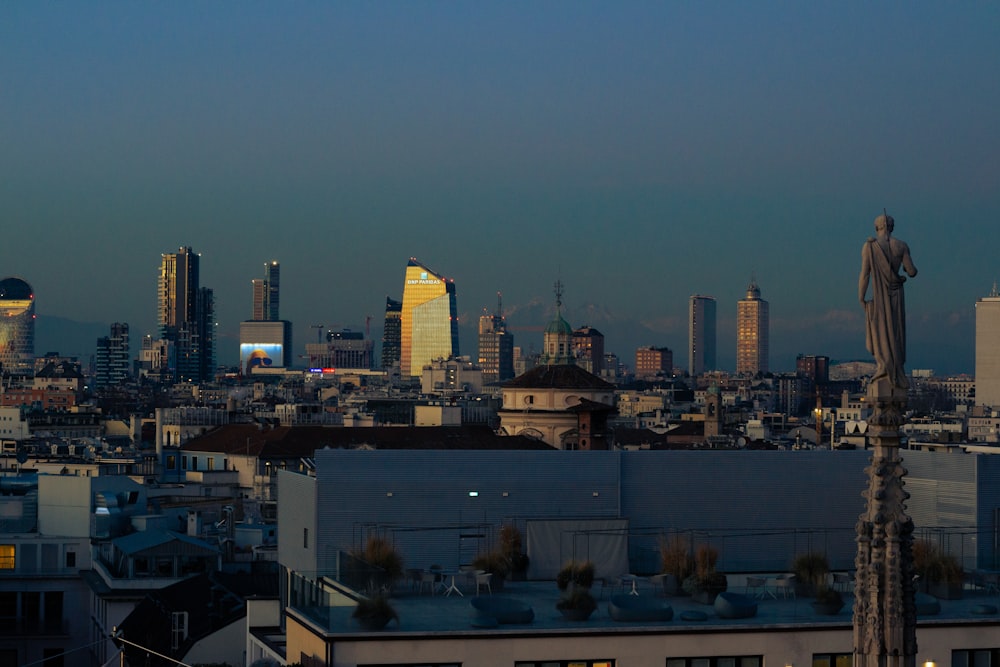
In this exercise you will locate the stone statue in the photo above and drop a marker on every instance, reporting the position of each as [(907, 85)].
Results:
[(885, 314)]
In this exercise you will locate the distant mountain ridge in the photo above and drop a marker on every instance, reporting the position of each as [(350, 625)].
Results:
[(68, 337)]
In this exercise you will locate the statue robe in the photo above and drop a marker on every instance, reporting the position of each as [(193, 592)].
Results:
[(885, 335)]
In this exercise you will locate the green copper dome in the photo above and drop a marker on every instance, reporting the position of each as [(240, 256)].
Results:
[(559, 326)]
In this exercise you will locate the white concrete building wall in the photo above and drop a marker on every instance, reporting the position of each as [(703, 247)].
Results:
[(225, 645)]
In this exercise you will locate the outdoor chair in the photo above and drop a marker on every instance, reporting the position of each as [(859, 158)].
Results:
[(755, 587), (484, 580)]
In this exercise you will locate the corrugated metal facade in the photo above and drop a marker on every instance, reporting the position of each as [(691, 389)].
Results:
[(760, 509), (422, 500)]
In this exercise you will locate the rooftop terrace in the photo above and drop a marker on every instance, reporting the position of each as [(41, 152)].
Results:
[(422, 613)]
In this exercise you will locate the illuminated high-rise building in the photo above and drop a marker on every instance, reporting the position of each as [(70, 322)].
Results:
[(267, 294), (178, 286), (186, 315), (752, 331), (391, 332), (701, 334), (496, 346), (17, 327), (428, 320), (988, 349)]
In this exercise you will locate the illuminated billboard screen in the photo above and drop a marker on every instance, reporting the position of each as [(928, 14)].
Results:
[(260, 355)]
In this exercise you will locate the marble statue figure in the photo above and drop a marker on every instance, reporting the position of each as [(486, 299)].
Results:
[(885, 313)]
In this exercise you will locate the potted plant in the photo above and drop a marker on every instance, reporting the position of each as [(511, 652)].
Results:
[(374, 613), (811, 570), (379, 553), (705, 583), (676, 563), (576, 575), (497, 563), (940, 573), (577, 605), (828, 601), (511, 544)]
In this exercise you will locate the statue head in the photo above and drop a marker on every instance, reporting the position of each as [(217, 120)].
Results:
[(884, 221)]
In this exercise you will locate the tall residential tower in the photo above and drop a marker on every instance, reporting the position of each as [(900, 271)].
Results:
[(701, 334), (267, 293), (428, 320), (113, 359), (752, 326), (186, 315), (988, 349), (391, 333), (496, 346)]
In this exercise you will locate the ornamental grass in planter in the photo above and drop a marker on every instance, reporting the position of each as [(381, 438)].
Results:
[(577, 605), (374, 613), (512, 546), (706, 582), (940, 573), (381, 554), (828, 601), (676, 562), (575, 574), (811, 570)]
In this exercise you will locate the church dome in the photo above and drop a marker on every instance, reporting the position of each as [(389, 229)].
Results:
[(559, 326)]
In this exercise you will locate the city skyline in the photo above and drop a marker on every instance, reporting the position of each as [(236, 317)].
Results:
[(640, 154)]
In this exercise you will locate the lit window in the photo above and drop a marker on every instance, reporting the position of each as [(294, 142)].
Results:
[(6, 556)]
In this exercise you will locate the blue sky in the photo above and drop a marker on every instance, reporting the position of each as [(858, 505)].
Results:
[(639, 152)]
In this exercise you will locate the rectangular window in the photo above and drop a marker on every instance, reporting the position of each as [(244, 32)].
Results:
[(70, 559), (833, 659), (171, 462), (565, 663), (178, 629), (184, 462), (982, 657), (718, 661), (305, 538), (194, 463), (211, 463), (6, 556)]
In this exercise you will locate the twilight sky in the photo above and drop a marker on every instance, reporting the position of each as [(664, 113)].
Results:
[(640, 152)]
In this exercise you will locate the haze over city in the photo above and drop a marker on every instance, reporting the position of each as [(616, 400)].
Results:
[(638, 153)]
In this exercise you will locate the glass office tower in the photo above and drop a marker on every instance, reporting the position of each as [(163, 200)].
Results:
[(428, 321), (17, 327)]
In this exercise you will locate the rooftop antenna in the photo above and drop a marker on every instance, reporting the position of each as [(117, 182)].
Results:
[(500, 304), (559, 293)]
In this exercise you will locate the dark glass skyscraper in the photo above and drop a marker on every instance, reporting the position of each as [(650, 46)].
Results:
[(267, 294), (186, 315), (701, 334), (391, 333)]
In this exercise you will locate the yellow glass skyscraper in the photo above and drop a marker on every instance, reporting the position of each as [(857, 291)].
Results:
[(429, 319), (17, 327), (752, 326)]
